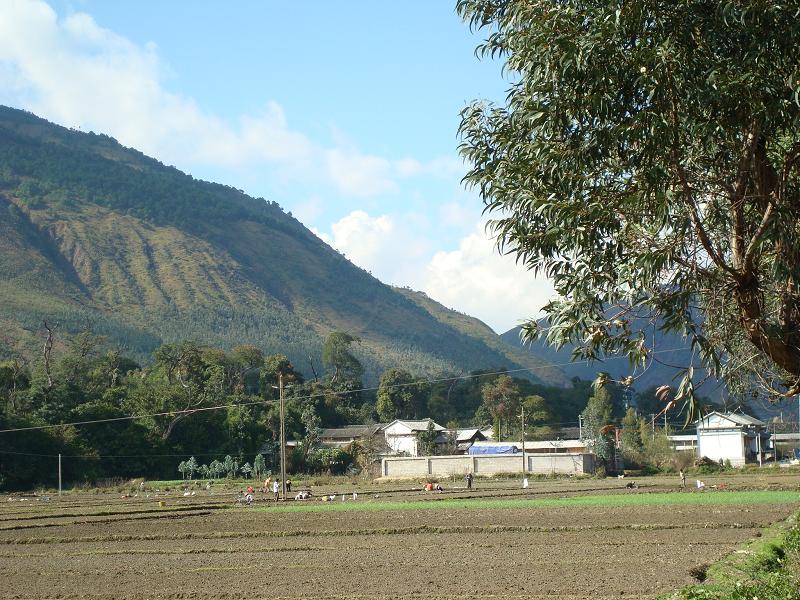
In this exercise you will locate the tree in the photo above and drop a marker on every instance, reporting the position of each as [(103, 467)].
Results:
[(229, 466), (182, 469), (336, 355), (259, 466), (596, 416), (273, 365), (538, 416), (631, 437), (399, 397), (647, 160), (426, 440), (191, 467), (216, 469), (313, 432), (246, 470), (501, 398), (14, 378)]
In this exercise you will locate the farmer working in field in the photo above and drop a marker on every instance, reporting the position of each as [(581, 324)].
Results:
[(468, 479), (275, 488)]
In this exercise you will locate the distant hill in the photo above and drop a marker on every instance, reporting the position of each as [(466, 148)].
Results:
[(672, 352), (96, 235)]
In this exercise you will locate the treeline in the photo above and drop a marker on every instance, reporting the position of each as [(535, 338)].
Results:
[(195, 400)]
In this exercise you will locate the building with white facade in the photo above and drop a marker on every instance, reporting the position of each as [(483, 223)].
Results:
[(733, 437), (401, 435)]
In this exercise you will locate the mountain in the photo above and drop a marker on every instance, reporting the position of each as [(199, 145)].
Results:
[(95, 235), (671, 352)]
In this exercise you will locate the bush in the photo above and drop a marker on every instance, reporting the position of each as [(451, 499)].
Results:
[(329, 460)]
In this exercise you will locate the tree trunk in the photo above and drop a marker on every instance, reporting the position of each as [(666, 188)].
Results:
[(784, 352)]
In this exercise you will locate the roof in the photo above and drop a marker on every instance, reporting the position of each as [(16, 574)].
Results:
[(420, 425), (736, 418), (554, 444), (465, 435), (349, 431), (491, 444)]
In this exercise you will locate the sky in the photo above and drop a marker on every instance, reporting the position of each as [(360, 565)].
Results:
[(345, 113)]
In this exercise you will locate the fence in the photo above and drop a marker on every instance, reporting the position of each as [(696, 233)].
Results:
[(562, 463)]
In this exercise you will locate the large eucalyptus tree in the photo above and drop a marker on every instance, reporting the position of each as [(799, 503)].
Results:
[(647, 159)]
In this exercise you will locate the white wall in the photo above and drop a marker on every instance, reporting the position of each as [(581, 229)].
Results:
[(400, 439), (401, 444), (720, 444), (487, 464)]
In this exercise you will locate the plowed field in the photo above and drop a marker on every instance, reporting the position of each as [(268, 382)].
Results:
[(557, 540)]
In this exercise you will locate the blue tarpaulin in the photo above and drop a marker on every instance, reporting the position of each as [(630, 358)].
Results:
[(493, 449)]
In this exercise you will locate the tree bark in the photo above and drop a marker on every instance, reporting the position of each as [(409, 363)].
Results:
[(784, 352)]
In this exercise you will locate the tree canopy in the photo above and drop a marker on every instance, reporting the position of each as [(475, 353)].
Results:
[(646, 160)]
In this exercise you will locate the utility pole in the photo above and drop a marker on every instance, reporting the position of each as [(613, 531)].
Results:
[(283, 435), (523, 442), (580, 428), (59, 473)]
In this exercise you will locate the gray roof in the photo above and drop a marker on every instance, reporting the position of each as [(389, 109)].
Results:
[(465, 435), (349, 431)]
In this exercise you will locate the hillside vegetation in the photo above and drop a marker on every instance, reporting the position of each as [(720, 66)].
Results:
[(95, 236)]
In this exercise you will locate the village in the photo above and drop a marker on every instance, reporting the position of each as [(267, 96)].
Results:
[(730, 439)]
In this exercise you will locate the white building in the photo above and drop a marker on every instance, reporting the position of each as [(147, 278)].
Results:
[(401, 435), (733, 436)]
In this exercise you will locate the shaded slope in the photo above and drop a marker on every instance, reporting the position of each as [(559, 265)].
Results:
[(475, 328), (672, 352)]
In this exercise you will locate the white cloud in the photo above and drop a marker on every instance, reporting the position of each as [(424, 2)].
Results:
[(477, 280), (388, 246), (358, 174), (474, 278), (459, 214), (77, 73)]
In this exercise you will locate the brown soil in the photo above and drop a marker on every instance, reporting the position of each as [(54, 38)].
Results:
[(103, 547)]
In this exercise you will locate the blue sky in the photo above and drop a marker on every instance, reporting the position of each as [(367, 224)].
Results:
[(345, 113)]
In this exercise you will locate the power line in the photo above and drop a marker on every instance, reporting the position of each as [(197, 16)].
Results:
[(109, 456), (191, 411)]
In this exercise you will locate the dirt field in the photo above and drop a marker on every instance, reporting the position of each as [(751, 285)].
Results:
[(467, 546)]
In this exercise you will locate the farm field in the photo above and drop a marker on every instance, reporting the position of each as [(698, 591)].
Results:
[(558, 539)]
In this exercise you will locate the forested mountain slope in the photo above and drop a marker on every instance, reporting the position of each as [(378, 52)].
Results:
[(672, 353), (96, 235)]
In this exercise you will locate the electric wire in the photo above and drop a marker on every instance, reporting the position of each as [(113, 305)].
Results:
[(191, 411)]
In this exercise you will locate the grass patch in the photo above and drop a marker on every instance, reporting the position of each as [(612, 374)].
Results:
[(768, 568), (600, 501)]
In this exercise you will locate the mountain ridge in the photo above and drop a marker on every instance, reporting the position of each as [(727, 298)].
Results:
[(102, 234)]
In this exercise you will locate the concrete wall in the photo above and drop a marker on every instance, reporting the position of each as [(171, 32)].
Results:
[(488, 464)]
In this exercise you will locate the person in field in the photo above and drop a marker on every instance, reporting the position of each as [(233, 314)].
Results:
[(275, 489)]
